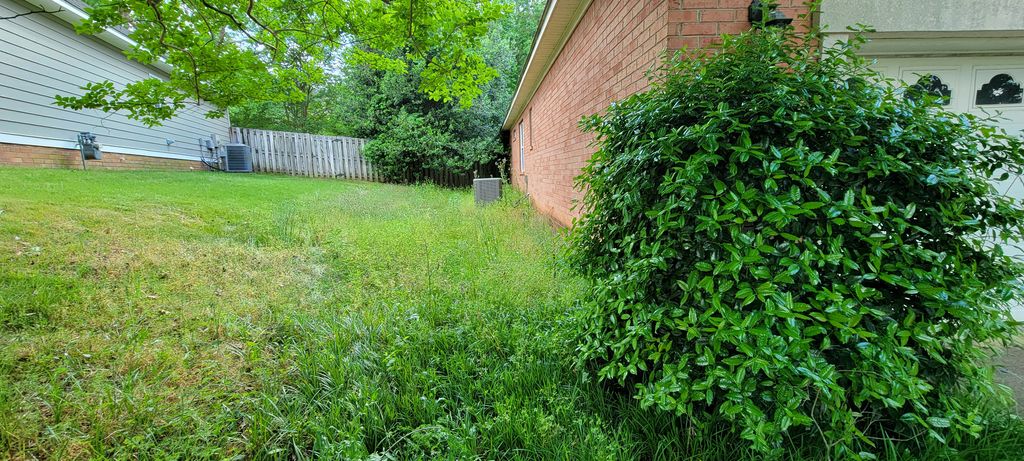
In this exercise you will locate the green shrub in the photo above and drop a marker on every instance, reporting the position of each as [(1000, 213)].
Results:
[(412, 145), (780, 238), (406, 148), (415, 137)]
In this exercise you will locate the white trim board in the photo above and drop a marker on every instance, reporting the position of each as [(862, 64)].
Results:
[(6, 138), (937, 45)]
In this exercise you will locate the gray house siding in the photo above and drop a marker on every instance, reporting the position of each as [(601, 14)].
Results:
[(932, 16), (42, 56)]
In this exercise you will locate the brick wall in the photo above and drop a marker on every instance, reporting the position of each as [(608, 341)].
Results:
[(606, 59), (700, 23), (51, 157)]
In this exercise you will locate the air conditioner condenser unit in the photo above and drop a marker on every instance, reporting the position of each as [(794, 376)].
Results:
[(486, 190), (236, 158)]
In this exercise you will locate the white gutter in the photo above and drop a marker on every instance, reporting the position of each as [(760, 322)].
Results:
[(74, 16), (561, 17)]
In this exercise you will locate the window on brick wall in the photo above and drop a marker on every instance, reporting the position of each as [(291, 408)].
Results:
[(531, 128), (522, 148)]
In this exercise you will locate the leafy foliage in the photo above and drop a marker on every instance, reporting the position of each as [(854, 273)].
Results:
[(371, 102), (411, 134), (379, 105), (322, 110), (408, 147), (785, 240), (228, 52)]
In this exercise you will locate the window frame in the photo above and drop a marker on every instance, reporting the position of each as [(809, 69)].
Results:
[(522, 148)]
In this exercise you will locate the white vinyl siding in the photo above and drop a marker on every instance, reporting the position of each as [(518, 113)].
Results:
[(41, 56)]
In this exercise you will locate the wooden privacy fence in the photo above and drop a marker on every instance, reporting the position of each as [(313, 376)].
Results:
[(320, 156), (306, 154)]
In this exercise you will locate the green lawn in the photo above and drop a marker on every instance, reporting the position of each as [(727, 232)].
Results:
[(149, 315)]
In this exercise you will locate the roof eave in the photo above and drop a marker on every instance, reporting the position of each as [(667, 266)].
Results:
[(559, 21)]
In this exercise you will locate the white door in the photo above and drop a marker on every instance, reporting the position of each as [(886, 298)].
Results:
[(984, 86)]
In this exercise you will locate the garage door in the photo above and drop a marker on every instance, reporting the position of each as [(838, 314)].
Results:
[(977, 85), (991, 85)]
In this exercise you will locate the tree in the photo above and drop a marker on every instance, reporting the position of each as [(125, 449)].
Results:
[(228, 52), (387, 106)]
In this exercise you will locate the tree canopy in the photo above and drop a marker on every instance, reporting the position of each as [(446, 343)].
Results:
[(413, 132), (228, 52)]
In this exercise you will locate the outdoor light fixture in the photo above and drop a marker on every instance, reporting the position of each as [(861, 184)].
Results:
[(762, 15)]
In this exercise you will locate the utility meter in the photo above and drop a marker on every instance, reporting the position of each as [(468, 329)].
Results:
[(90, 148)]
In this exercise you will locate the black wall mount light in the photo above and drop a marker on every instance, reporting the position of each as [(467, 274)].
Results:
[(762, 14)]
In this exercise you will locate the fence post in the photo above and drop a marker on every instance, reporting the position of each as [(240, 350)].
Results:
[(273, 152), (346, 158), (300, 153), (325, 155), (267, 160), (292, 156), (321, 155), (362, 163), (260, 137), (258, 151), (263, 147), (330, 152), (282, 143), (295, 155), (307, 156), (286, 153), (247, 139), (314, 155), (314, 148), (353, 158), (342, 158)]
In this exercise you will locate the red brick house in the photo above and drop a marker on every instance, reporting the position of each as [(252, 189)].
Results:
[(589, 53)]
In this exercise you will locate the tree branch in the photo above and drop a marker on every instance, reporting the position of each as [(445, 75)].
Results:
[(241, 27), (5, 18), (191, 57), (411, 3)]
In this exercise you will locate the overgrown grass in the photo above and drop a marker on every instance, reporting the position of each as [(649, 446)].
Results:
[(204, 316)]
